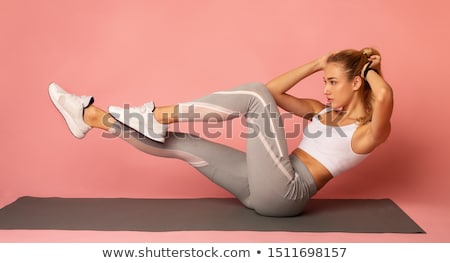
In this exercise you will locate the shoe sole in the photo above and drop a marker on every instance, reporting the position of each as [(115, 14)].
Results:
[(53, 88), (133, 124)]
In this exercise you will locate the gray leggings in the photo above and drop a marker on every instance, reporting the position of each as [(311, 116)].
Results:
[(265, 177)]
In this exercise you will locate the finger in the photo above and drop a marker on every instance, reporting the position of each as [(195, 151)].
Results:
[(374, 57)]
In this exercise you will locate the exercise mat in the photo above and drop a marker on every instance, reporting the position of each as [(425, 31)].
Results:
[(204, 214)]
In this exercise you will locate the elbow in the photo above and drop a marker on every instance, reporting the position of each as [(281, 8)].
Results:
[(271, 87), (273, 90), (384, 95)]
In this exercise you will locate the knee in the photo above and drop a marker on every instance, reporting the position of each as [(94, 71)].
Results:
[(258, 90), (257, 87)]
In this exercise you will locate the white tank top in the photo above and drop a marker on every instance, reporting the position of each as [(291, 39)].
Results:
[(331, 145)]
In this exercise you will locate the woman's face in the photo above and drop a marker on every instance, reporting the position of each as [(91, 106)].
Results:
[(339, 89)]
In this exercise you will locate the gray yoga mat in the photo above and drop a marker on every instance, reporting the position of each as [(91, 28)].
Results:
[(218, 214)]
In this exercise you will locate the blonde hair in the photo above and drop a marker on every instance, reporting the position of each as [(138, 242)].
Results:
[(353, 62)]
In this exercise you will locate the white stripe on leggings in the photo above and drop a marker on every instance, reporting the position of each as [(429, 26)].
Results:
[(274, 158)]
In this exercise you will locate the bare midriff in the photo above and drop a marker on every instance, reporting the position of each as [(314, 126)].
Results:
[(320, 174)]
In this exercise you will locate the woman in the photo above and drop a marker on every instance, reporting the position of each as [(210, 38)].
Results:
[(266, 178)]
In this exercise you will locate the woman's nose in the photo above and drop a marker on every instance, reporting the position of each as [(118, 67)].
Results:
[(326, 90)]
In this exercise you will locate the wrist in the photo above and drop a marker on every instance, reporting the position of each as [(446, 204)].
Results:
[(368, 70), (365, 69), (318, 65)]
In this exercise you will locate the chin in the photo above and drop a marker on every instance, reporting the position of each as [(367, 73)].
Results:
[(337, 106), (333, 105)]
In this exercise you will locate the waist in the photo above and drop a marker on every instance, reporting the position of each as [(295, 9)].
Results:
[(318, 172)]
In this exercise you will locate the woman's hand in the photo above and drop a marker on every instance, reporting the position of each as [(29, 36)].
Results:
[(322, 61), (376, 62)]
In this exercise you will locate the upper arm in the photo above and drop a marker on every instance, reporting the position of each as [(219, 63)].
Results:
[(298, 106)]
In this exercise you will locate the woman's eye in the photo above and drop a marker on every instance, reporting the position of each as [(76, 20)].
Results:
[(333, 82)]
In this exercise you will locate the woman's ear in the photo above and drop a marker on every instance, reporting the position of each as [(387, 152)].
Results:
[(357, 83)]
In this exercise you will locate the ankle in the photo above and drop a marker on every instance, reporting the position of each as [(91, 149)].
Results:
[(165, 114), (98, 118), (89, 116)]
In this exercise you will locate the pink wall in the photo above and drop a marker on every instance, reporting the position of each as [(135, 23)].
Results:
[(171, 51)]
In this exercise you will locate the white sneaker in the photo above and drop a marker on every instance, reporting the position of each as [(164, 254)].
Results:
[(142, 120), (71, 108)]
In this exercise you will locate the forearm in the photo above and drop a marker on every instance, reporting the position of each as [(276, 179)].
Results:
[(281, 84)]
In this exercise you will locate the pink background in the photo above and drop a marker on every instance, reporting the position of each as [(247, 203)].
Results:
[(173, 51)]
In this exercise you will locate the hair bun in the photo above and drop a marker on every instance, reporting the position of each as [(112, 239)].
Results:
[(367, 52)]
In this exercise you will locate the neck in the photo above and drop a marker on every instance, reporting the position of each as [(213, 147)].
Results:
[(355, 109)]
